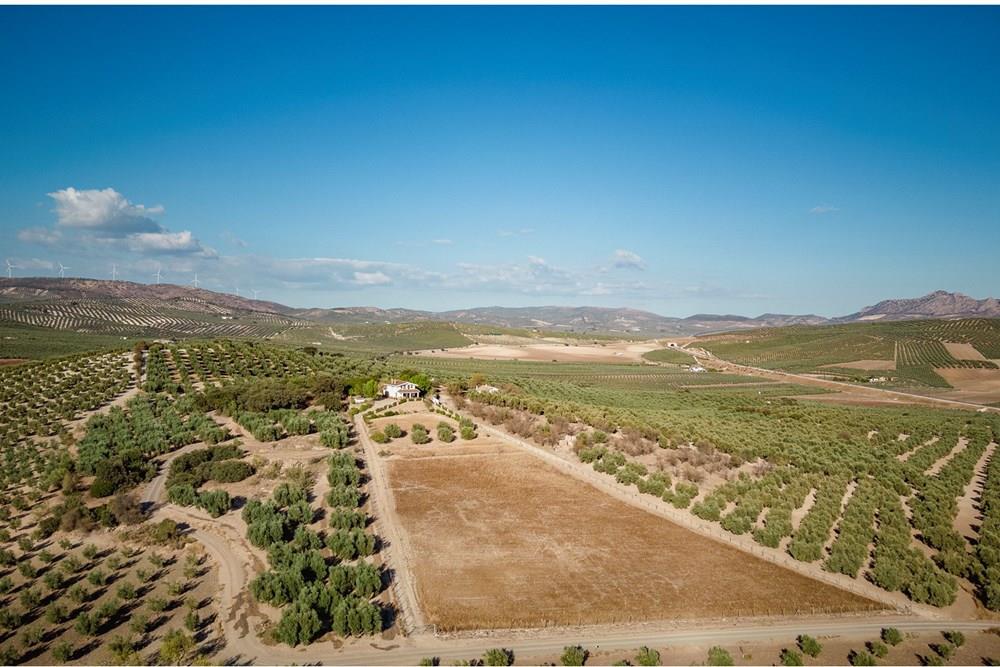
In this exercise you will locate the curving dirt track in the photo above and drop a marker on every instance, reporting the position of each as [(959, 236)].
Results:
[(241, 620)]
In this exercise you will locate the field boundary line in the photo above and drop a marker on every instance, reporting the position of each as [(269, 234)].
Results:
[(394, 549)]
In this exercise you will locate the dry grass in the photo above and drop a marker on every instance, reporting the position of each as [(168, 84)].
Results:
[(502, 540)]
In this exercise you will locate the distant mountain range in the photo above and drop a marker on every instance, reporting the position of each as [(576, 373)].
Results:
[(938, 304)]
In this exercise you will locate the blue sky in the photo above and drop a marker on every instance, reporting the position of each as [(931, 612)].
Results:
[(675, 159)]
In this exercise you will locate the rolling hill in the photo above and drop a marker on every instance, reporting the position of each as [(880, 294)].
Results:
[(127, 308)]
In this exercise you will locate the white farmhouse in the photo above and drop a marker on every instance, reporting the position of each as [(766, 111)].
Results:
[(697, 369), (398, 389)]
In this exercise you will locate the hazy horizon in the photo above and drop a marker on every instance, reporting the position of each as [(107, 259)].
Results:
[(449, 157)]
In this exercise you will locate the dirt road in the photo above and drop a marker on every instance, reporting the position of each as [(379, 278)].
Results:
[(388, 528), (708, 359)]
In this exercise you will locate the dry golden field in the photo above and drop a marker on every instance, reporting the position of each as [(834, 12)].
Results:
[(500, 539)]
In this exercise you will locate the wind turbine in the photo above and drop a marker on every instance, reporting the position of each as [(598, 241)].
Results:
[(62, 269), (237, 290), (114, 272), (10, 267), (157, 275), (255, 293), (195, 281)]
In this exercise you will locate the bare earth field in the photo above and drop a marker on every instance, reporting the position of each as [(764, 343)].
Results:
[(964, 351), (866, 365), (500, 539), (976, 385), (610, 353)]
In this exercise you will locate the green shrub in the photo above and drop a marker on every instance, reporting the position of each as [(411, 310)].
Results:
[(719, 657), (498, 657), (809, 645), (572, 656), (891, 636), (647, 657)]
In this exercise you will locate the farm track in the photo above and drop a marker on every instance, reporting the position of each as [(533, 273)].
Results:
[(240, 619), (874, 392)]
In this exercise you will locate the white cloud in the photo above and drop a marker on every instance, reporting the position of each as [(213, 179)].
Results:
[(822, 209), (42, 235), (177, 243), (371, 278), (626, 259), (105, 221), (442, 241), (104, 210)]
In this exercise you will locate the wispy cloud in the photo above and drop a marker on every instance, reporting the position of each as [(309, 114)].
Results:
[(442, 242), (233, 240), (822, 209), (524, 231), (40, 235), (626, 259)]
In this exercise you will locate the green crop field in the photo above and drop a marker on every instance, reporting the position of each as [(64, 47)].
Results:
[(23, 341), (669, 356), (915, 347), (375, 338)]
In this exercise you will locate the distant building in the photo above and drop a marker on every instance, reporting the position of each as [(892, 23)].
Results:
[(359, 400), (697, 369), (402, 389)]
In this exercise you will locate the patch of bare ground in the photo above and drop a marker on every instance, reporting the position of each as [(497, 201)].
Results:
[(943, 461), (975, 385), (606, 353), (866, 365), (910, 452), (501, 541), (979, 648), (964, 351)]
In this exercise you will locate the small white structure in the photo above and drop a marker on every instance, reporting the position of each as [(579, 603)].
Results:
[(697, 369), (487, 389), (358, 400), (404, 389)]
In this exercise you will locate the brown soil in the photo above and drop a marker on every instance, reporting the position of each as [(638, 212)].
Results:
[(978, 649), (504, 540), (610, 353), (11, 362), (964, 351), (867, 365), (978, 385)]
